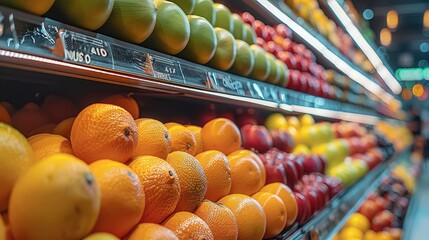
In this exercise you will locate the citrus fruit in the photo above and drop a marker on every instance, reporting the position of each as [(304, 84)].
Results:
[(261, 69), (202, 41), (284, 74), (29, 118), (101, 236), (182, 139), (250, 217), (237, 23), (122, 197), (199, 148), (350, 232), (104, 131), (193, 181), (188, 226), (25, 5), (246, 174), (275, 212), (370, 235), (59, 108), (154, 138), (2, 229), (48, 128), (359, 221), (248, 153), (218, 174), (286, 195), (131, 21), (89, 15), (249, 35), (168, 125), (205, 9), (223, 17), (221, 134), (46, 144), (274, 76), (65, 200), (161, 186), (4, 115), (64, 127), (172, 30), (186, 5), (15, 158), (226, 50), (383, 235), (244, 60), (219, 218), (124, 101), (306, 120), (294, 122), (152, 231)]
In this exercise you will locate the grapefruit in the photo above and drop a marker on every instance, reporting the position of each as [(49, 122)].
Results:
[(131, 21), (249, 34), (186, 5), (274, 75), (172, 30), (205, 9), (284, 73), (202, 41), (223, 17), (226, 50), (38, 7), (261, 69), (238, 26), (244, 61)]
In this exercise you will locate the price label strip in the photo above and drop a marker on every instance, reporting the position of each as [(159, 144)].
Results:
[(198, 77), (228, 85)]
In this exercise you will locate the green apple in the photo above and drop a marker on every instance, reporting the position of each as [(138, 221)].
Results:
[(238, 26), (249, 34), (172, 30), (186, 5), (131, 21), (244, 61), (205, 9), (261, 70), (39, 7), (202, 42), (90, 15), (284, 73), (223, 17), (226, 50), (274, 76)]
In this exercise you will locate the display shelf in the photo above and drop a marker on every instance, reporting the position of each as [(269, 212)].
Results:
[(45, 46), (328, 221), (277, 9)]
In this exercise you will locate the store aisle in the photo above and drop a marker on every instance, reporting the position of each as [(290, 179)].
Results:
[(417, 220)]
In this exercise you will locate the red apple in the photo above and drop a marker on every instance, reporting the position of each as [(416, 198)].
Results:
[(274, 172), (303, 208), (298, 161), (312, 164), (256, 137), (287, 45), (260, 29), (247, 18), (291, 173), (207, 115), (382, 220), (313, 199), (282, 140), (282, 30), (261, 42), (227, 115), (368, 209), (271, 33), (380, 203), (273, 48), (288, 59)]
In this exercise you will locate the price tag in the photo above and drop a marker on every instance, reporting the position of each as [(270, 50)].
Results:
[(84, 49), (229, 85), (165, 68), (198, 77)]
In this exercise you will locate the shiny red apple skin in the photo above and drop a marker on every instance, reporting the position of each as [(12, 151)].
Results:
[(256, 137)]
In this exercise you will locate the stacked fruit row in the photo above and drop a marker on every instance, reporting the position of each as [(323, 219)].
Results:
[(311, 12), (381, 215)]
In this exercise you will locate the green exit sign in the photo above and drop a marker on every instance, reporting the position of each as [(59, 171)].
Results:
[(412, 74)]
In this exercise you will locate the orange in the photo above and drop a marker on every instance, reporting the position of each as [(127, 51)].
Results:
[(370, 235), (64, 127), (248, 153), (59, 108), (154, 138), (9, 107), (101, 236), (383, 235), (351, 232), (219, 218), (124, 101), (161, 186), (2, 229), (43, 129), (359, 221), (249, 215), (152, 231), (188, 226), (4, 115), (192, 179), (246, 175), (182, 139), (16, 156), (46, 144), (57, 198), (104, 131), (29, 118), (172, 124), (218, 174), (221, 134), (122, 197), (286, 194), (199, 148), (275, 213)]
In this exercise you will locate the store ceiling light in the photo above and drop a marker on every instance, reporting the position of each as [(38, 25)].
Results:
[(360, 40), (385, 37), (418, 90), (343, 66), (406, 94), (392, 19), (368, 14)]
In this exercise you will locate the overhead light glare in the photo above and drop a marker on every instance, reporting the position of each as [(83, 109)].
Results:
[(392, 19), (385, 37), (426, 19)]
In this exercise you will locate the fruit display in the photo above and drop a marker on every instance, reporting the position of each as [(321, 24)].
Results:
[(381, 215)]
